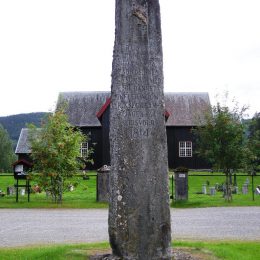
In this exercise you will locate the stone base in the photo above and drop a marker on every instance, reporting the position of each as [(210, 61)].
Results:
[(177, 254)]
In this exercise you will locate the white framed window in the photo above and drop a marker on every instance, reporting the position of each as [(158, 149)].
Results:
[(185, 149), (84, 149)]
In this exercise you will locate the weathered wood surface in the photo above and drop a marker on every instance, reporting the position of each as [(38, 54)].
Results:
[(139, 216)]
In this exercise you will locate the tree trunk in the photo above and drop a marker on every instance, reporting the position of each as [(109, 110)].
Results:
[(60, 189), (52, 190), (228, 192), (139, 215)]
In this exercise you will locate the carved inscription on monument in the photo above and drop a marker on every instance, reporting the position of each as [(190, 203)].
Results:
[(139, 215), (138, 102), (138, 110)]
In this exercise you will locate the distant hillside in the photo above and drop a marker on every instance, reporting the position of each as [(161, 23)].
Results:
[(13, 124)]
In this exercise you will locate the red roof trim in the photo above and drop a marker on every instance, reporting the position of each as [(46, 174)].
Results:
[(23, 161), (103, 108), (166, 114), (108, 102)]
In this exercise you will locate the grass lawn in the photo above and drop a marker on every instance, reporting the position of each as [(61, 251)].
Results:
[(84, 195), (233, 250), (201, 200), (230, 250)]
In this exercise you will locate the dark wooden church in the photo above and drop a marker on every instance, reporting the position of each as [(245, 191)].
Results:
[(90, 112)]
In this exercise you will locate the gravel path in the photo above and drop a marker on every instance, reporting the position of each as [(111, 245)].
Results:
[(44, 226)]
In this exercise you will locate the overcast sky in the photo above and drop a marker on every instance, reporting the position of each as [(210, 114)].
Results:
[(49, 46)]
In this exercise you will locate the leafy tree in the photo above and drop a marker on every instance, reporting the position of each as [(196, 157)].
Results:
[(7, 156), (221, 141), (255, 124), (55, 153), (254, 143)]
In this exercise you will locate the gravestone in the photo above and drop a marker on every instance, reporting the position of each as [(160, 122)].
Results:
[(139, 215), (22, 192), (212, 191), (181, 185), (10, 190), (204, 188), (103, 184), (244, 189)]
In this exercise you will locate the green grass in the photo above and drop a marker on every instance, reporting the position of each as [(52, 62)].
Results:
[(229, 250), (84, 195), (57, 252), (201, 200)]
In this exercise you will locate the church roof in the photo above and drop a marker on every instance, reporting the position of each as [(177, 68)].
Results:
[(84, 109), (184, 108), (23, 144)]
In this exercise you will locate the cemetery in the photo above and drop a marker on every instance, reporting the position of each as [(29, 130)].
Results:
[(145, 163), (85, 193)]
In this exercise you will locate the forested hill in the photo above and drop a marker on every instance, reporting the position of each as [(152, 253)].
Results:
[(13, 124)]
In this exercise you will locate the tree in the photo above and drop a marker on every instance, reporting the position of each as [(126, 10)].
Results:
[(254, 143), (7, 156), (221, 141), (55, 153)]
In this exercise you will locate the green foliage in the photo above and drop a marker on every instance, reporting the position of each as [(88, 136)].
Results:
[(55, 152), (13, 124), (7, 156), (254, 124), (254, 143), (221, 140)]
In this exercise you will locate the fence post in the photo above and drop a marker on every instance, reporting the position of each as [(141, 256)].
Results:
[(28, 189), (17, 190), (97, 192), (172, 187), (253, 192)]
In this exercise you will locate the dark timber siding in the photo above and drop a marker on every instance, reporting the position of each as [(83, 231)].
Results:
[(99, 136), (105, 136), (95, 135), (25, 156), (174, 136), (89, 111), (99, 140)]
